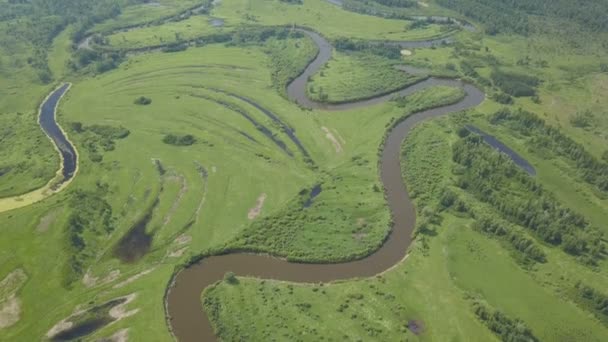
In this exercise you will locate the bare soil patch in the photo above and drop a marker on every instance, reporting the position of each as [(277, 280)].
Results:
[(119, 336), (46, 221), (10, 311), (329, 135), (89, 280), (133, 278), (11, 283), (120, 311), (183, 239), (178, 253), (255, 211)]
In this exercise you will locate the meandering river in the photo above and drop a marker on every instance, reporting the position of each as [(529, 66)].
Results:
[(186, 316)]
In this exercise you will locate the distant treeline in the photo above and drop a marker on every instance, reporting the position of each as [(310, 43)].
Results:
[(542, 136), (516, 15), (494, 179)]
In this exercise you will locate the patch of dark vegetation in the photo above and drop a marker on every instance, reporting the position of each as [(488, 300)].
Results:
[(89, 321), (143, 101), (137, 242), (179, 140), (291, 133), (175, 47), (89, 223), (528, 249), (397, 3), (592, 300), (101, 61), (494, 179), (312, 194), (548, 140), (387, 50), (5, 169), (525, 17), (415, 326), (98, 138), (159, 167), (502, 98), (293, 2), (506, 328), (515, 84), (583, 120)]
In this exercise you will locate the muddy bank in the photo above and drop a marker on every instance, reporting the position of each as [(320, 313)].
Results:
[(185, 314)]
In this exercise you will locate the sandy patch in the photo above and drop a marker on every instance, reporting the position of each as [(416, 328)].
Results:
[(120, 311), (183, 239), (11, 283), (255, 211), (89, 280), (423, 4), (120, 336), (10, 311), (178, 253), (46, 221), (406, 52), (63, 325), (133, 278), (333, 139)]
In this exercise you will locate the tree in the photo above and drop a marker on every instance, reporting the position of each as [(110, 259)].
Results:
[(230, 278)]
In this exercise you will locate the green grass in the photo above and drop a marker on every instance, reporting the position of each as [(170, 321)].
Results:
[(195, 26), (352, 76), (435, 285), (144, 13), (376, 309)]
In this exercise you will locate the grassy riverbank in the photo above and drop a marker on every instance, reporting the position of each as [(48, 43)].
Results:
[(448, 248)]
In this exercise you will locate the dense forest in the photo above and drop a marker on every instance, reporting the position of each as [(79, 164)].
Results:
[(518, 15), (37, 22)]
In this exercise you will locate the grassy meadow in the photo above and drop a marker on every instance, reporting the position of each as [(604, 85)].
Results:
[(178, 141), (351, 76)]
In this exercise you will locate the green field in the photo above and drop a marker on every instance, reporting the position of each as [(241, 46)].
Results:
[(182, 141), (352, 76)]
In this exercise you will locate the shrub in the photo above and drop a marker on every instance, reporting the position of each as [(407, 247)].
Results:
[(179, 140), (230, 278), (142, 100)]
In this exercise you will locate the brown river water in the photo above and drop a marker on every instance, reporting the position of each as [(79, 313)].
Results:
[(186, 316)]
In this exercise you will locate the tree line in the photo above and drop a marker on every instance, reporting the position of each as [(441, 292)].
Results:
[(542, 136), (517, 16), (494, 179)]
